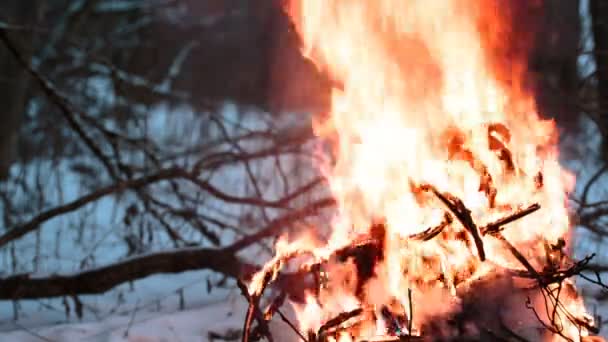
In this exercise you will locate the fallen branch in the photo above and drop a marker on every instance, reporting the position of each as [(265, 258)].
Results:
[(102, 279)]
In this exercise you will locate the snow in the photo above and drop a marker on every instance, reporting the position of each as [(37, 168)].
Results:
[(224, 318), (137, 326)]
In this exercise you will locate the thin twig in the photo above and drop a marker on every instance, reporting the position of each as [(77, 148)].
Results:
[(25, 228), (587, 187), (33, 333), (138, 183), (292, 326), (278, 225), (126, 334), (250, 310)]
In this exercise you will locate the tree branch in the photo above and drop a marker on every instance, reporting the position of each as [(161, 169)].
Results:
[(137, 183), (587, 188), (102, 279), (61, 102), (596, 268), (278, 224), (99, 280), (25, 228)]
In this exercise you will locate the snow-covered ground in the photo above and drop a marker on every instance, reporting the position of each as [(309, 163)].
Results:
[(221, 320), (224, 318)]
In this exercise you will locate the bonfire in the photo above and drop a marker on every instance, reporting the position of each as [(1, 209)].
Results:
[(451, 220)]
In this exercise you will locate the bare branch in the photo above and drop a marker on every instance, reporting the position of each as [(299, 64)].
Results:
[(25, 228), (60, 101), (134, 184), (102, 279), (588, 186), (278, 224)]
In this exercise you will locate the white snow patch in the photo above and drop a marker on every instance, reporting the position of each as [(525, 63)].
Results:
[(185, 326)]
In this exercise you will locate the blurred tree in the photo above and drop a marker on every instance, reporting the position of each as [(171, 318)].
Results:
[(13, 85), (554, 60), (598, 10), (83, 82), (227, 50)]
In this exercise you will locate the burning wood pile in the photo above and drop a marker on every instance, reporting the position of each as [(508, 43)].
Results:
[(367, 252), (452, 221)]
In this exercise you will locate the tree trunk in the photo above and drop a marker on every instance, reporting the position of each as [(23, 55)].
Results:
[(13, 82), (598, 10), (554, 59)]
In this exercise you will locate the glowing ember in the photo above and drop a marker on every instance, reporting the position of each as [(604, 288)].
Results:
[(429, 137)]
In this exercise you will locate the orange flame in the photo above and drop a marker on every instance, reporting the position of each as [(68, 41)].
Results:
[(418, 100)]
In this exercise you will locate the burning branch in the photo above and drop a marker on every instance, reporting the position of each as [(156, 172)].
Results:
[(292, 326), (518, 255), (337, 321), (430, 233), (254, 310), (463, 214), (497, 226), (543, 279)]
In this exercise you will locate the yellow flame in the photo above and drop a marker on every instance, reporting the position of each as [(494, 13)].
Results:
[(420, 99)]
